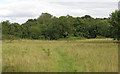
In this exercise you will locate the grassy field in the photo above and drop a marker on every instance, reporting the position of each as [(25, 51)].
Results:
[(90, 55)]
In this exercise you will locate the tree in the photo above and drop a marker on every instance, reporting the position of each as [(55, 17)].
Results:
[(44, 18), (5, 27), (86, 17), (48, 27), (115, 24)]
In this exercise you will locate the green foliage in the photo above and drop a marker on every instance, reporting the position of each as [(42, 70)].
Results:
[(48, 27), (115, 24), (11, 38), (100, 37), (72, 38), (48, 52)]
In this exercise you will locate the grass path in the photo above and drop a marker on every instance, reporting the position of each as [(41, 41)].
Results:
[(65, 63)]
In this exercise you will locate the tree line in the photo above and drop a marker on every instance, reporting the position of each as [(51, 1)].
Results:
[(49, 27)]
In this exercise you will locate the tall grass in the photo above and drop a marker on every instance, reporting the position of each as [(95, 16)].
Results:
[(99, 55)]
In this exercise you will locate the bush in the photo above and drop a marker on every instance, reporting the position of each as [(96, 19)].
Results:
[(9, 37), (72, 38), (100, 37)]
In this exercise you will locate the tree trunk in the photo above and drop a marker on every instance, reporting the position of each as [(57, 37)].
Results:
[(118, 39)]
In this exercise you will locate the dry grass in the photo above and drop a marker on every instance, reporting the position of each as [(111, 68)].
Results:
[(92, 55), (0, 56)]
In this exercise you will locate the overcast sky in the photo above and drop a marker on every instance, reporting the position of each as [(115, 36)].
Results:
[(22, 10)]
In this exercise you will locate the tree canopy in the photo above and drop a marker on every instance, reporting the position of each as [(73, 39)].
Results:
[(49, 27), (115, 24)]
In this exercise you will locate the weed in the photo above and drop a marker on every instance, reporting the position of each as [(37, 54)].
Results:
[(48, 52)]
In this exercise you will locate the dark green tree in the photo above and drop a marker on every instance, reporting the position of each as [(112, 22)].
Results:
[(115, 24)]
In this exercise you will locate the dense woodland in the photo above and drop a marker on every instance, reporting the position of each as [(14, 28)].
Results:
[(49, 27)]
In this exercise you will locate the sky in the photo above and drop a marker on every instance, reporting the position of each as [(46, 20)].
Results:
[(21, 10)]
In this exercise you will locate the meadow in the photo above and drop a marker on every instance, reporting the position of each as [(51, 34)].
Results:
[(88, 55)]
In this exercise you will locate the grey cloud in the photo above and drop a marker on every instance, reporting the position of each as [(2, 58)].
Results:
[(96, 9), (84, 5), (22, 10), (18, 14)]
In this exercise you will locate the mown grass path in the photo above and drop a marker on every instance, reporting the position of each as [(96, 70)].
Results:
[(65, 63)]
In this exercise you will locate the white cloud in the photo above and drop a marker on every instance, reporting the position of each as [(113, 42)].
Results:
[(21, 10)]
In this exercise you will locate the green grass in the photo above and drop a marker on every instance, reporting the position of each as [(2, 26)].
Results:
[(93, 55)]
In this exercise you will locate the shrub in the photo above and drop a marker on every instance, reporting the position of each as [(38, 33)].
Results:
[(48, 52)]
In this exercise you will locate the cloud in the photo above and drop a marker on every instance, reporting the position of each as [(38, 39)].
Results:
[(21, 10), (97, 9)]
